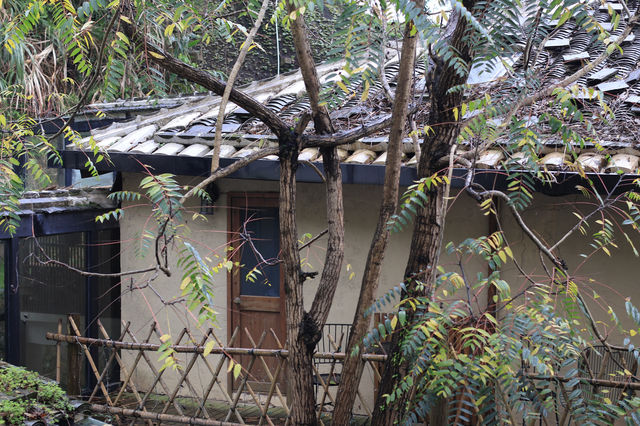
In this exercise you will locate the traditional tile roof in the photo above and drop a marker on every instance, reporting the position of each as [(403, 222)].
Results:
[(64, 200), (188, 130)]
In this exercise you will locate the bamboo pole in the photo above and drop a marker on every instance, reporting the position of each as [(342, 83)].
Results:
[(183, 379), (73, 359), (59, 354), (595, 382), (158, 377), (272, 388), (123, 368), (105, 370), (216, 373), (129, 373), (284, 353), (244, 379), (281, 397), (159, 417), (92, 364)]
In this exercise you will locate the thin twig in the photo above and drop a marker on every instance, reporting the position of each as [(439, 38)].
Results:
[(313, 240), (215, 159)]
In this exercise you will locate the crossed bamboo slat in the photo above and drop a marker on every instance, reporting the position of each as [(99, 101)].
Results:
[(253, 357)]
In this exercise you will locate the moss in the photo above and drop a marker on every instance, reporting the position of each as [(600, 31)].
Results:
[(27, 396), (262, 63)]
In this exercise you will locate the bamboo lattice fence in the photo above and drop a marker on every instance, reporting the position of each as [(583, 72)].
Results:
[(238, 403)]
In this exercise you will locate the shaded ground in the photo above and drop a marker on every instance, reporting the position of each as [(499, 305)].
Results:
[(218, 410)]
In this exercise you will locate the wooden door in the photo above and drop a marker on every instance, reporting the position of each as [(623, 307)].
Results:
[(256, 302)]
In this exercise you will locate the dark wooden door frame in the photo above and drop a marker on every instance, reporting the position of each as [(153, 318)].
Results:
[(237, 202)]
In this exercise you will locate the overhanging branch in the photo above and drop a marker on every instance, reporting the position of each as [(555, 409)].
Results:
[(169, 63)]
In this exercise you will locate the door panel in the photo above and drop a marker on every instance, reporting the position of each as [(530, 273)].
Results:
[(255, 302), (49, 293)]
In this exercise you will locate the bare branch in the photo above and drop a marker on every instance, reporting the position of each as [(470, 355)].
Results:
[(347, 136), (233, 167), (313, 240), (215, 159), (170, 63), (50, 261), (308, 69)]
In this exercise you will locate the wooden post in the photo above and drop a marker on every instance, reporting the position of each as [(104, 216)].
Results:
[(74, 361), (59, 354)]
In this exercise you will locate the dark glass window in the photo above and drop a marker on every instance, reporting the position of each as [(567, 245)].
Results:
[(260, 271)]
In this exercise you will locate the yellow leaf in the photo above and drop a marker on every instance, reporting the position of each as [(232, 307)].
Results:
[(342, 86), (236, 370), (208, 348), (125, 19), (455, 114), (185, 282), (503, 256), (230, 366), (165, 337), (632, 333), (394, 322), (507, 249), (169, 30), (156, 55), (365, 92), (457, 281)]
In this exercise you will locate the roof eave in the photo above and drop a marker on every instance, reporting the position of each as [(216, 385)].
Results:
[(357, 174)]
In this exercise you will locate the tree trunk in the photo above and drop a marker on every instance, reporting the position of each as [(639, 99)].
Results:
[(352, 368), (304, 330), (300, 343), (429, 223)]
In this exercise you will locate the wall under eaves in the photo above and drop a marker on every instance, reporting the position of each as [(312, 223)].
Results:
[(361, 203), (550, 216)]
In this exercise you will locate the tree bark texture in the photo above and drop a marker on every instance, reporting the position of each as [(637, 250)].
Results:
[(300, 346), (429, 223), (309, 325), (353, 366), (335, 244), (320, 115)]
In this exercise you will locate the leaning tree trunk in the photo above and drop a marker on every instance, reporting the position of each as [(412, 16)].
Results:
[(353, 366), (430, 220)]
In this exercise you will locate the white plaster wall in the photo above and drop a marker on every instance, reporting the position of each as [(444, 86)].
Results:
[(361, 204), (612, 278)]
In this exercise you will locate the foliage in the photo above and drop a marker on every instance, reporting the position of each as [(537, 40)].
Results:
[(490, 371), (414, 198), (21, 150), (456, 350), (34, 397)]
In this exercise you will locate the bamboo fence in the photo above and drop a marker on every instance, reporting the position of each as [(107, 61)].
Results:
[(268, 405)]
